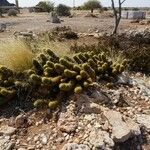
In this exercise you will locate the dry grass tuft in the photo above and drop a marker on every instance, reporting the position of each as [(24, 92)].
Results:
[(15, 55)]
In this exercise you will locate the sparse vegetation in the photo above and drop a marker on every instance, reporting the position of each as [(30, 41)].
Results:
[(63, 10)]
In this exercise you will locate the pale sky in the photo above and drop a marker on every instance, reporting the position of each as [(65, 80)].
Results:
[(128, 3)]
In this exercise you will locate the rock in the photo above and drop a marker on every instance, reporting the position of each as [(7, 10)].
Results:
[(74, 146), (7, 130), (99, 96), (124, 79), (6, 144), (100, 139), (144, 120), (21, 121), (120, 130), (67, 123), (54, 18), (44, 140), (134, 127), (2, 27)]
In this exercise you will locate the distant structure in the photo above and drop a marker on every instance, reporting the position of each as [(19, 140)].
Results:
[(133, 15)]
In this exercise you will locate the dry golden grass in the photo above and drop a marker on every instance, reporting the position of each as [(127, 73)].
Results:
[(15, 55), (116, 57)]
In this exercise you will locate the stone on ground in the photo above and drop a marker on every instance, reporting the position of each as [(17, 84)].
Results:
[(144, 120), (7, 130), (120, 130)]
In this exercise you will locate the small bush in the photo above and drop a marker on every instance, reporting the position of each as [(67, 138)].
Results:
[(63, 10), (45, 6), (64, 33), (12, 12)]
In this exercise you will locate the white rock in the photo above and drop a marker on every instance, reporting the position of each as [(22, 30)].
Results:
[(144, 120), (99, 139), (44, 140), (120, 130), (7, 130), (134, 127)]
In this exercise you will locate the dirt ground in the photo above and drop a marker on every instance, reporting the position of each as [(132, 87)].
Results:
[(38, 22)]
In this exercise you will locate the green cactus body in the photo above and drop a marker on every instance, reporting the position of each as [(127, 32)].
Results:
[(43, 58), (67, 86), (35, 79), (40, 103), (66, 63), (50, 64), (89, 70), (53, 104), (77, 68), (86, 84), (86, 55), (92, 64), (82, 57), (52, 54), (68, 59), (76, 58), (78, 77), (47, 81), (84, 74), (78, 89), (37, 66), (59, 68), (56, 80), (69, 73), (48, 71), (30, 71)]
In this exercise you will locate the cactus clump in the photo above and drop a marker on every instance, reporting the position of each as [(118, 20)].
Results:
[(72, 75)]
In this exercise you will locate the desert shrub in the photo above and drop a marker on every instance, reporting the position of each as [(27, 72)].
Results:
[(92, 4), (63, 10), (64, 32), (15, 55), (12, 12), (45, 6)]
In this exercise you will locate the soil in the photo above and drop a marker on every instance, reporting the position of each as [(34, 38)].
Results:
[(39, 22)]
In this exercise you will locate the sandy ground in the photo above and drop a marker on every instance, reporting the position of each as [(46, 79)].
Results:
[(38, 22)]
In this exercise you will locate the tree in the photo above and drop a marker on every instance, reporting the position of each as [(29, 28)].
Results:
[(63, 10), (45, 6), (117, 13), (92, 4)]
